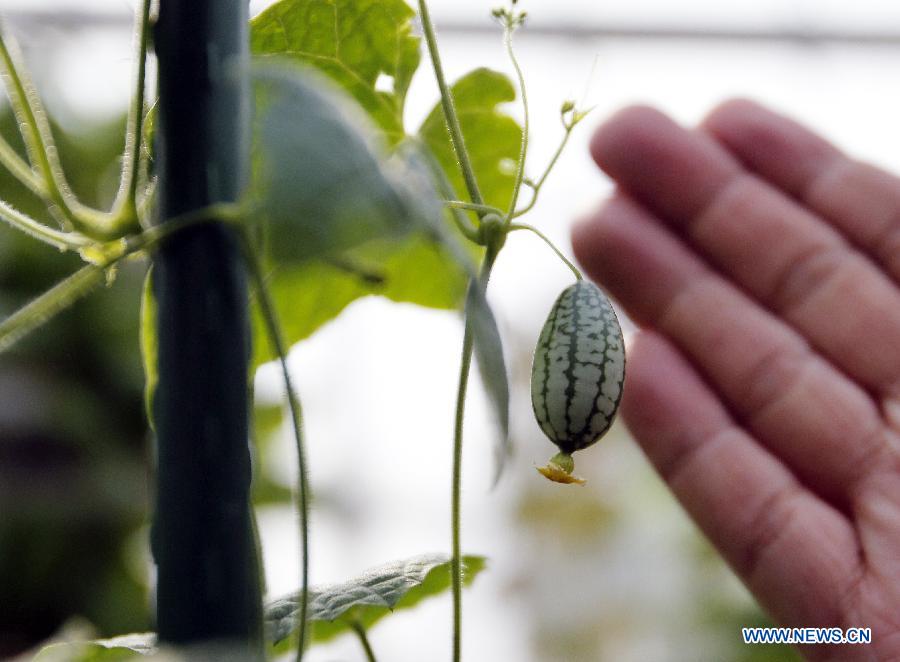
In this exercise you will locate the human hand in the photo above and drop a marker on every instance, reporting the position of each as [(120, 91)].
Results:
[(764, 268)]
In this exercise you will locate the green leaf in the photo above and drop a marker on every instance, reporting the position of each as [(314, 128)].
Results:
[(50, 303), (492, 138), (368, 598), (322, 187), (353, 42), (415, 270), (149, 343), (125, 647), (491, 365)]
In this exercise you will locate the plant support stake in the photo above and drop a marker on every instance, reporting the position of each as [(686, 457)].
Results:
[(203, 542)]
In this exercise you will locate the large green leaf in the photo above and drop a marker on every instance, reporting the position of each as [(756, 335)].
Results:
[(493, 139), (368, 598), (354, 42)]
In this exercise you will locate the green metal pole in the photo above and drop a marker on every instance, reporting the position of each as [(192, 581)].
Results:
[(203, 543)]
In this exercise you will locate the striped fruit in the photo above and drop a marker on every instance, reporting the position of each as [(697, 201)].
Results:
[(578, 368)]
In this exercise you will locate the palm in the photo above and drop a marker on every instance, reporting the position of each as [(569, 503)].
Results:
[(764, 267)]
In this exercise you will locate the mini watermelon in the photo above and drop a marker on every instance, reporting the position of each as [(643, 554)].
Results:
[(577, 374)]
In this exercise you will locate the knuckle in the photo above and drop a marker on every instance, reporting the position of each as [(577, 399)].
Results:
[(804, 276), (773, 521), (772, 377)]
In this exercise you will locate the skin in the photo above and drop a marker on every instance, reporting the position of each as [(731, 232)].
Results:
[(763, 266)]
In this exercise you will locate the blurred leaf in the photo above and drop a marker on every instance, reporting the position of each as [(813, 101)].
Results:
[(125, 647), (321, 187), (149, 346), (553, 513), (492, 138), (489, 354), (268, 420), (350, 226), (368, 598), (353, 42)]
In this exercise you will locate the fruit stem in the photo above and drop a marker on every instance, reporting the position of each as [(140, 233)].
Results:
[(564, 461), (531, 228)]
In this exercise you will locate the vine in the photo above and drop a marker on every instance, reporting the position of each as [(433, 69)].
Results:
[(492, 235)]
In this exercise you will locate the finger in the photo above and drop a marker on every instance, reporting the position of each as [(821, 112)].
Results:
[(862, 201), (789, 259), (796, 553), (810, 415)]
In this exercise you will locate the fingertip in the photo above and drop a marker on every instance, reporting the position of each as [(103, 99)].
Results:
[(772, 144), (630, 127), (670, 169), (733, 112), (740, 123)]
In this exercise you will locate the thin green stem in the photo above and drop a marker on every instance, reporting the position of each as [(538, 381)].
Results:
[(523, 150), (536, 188), (53, 301), (456, 480), (125, 211), (556, 155), (360, 631), (64, 241), (524, 226), (456, 135), (19, 169), (471, 206), (270, 315)]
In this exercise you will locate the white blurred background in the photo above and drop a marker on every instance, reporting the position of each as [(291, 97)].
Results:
[(612, 571)]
